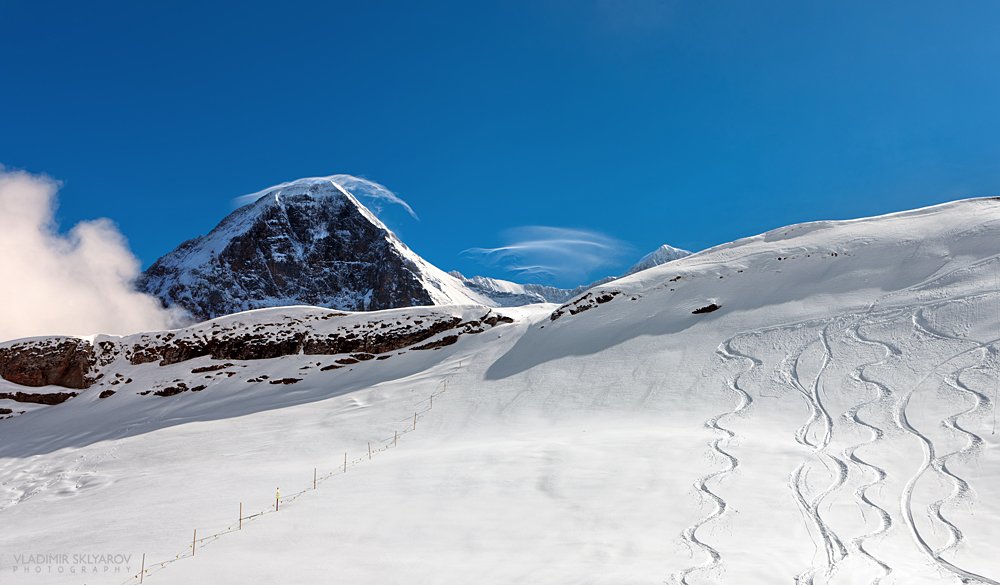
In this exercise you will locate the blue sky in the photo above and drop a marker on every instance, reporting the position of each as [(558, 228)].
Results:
[(690, 123)]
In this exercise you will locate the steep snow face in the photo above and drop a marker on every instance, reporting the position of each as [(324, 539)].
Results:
[(815, 404), (661, 255), (307, 242)]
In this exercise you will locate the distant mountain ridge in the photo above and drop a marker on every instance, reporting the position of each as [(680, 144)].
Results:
[(510, 294)]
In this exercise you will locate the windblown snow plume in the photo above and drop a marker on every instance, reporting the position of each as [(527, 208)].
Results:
[(374, 194), (545, 253), (78, 283)]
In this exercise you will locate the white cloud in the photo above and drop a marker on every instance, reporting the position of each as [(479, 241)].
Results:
[(548, 253), (78, 283)]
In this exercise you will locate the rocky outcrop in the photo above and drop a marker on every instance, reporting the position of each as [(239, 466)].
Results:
[(73, 363), (365, 342), (48, 398), (57, 361)]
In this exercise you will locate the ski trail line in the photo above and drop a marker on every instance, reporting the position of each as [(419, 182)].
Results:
[(744, 400), (940, 464), (881, 399), (930, 455), (833, 547)]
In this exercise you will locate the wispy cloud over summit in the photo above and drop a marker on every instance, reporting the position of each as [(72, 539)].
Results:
[(548, 253), (375, 195)]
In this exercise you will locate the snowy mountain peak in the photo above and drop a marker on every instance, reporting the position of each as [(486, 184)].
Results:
[(309, 241), (662, 255)]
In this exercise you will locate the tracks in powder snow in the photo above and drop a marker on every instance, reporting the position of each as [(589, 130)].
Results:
[(880, 411), (881, 401), (744, 400), (937, 463), (833, 546)]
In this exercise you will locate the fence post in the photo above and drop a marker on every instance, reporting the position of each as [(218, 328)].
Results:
[(345, 461), (241, 515), (277, 498), (142, 569), (314, 478), (194, 542), (414, 421), (432, 402), (369, 450), (395, 437)]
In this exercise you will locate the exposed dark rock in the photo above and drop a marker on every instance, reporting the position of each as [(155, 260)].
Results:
[(211, 368), (706, 309), (446, 340), (57, 361), (172, 390), (584, 303), (106, 394), (49, 399), (286, 381)]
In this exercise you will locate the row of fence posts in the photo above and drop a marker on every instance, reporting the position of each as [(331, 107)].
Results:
[(277, 492)]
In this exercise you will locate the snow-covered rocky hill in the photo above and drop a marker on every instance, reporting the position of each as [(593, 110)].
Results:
[(309, 241), (816, 404)]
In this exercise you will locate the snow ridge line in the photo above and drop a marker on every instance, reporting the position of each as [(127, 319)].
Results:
[(906, 499), (882, 400), (385, 444), (744, 400), (833, 546)]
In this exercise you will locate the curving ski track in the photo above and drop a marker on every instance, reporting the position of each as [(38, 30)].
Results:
[(744, 400), (880, 400), (932, 461)]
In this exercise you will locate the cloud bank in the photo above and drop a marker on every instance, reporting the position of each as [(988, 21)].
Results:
[(79, 283), (546, 253)]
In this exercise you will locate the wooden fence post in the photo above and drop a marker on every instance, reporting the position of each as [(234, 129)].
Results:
[(314, 478), (142, 569), (345, 461), (395, 437), (369, 450), (241, 515), (414, 421), (194, 542)]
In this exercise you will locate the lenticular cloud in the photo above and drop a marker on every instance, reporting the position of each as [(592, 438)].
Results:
[(77, 283), (546, 252)]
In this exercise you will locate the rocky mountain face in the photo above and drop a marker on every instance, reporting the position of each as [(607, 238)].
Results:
[(309, 242)]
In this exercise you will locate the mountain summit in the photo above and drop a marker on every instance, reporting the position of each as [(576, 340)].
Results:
[(305, 242)]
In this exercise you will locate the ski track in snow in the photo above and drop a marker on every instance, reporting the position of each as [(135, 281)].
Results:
[(932, 461), (833, 546), (744, 400), (817, 431), (881, 400)]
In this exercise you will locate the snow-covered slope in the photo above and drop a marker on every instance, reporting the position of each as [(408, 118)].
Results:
[(309, 241), (815, 404)]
